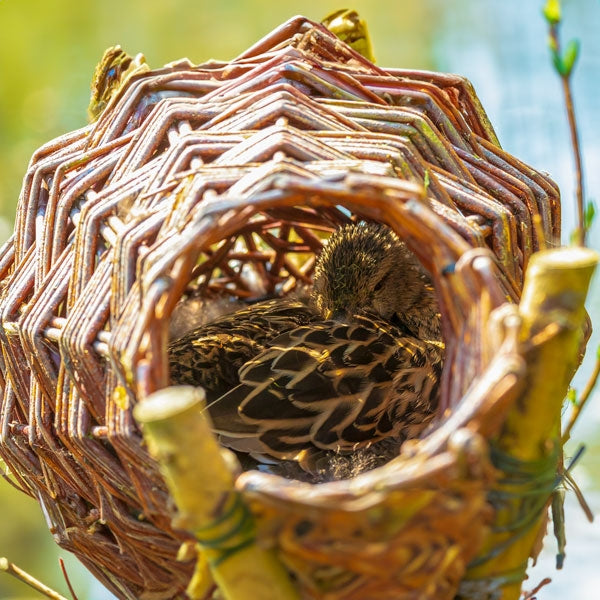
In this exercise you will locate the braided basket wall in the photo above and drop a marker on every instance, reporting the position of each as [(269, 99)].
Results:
[(222, 180)]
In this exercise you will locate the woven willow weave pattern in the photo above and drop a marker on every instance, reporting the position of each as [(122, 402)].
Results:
[(223, 179)]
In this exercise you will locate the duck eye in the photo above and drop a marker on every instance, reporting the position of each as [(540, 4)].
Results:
[(380, 284)]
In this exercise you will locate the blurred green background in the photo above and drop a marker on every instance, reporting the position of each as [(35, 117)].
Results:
[(48, 51)]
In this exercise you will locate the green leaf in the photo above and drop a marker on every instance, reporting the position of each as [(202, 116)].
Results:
[(426, 180), (598, 352), (589, 214), (552, 12), (570, 56), (558, 62), (572, 396)]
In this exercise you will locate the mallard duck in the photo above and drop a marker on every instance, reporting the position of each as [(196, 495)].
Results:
[(356, 362)]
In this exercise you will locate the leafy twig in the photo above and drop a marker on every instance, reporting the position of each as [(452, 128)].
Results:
[(31, 581), (563, 64)]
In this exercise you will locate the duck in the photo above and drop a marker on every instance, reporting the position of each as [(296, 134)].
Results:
[(353, 365)]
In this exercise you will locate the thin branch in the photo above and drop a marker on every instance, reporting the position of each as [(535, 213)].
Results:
[(564, 71), (582, 229), (61, 562), (580, 497), (25, 577)]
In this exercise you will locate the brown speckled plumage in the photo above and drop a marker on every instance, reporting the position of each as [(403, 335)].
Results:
[(357, 363), (366, 267)]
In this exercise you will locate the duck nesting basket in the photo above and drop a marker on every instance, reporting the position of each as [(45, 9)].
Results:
[(223, 180)]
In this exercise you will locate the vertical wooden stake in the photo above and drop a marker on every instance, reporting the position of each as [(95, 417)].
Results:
[(200, 476)]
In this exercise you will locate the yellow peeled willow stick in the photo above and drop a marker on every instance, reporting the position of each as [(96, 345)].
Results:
[(529, 445), (200, 476), (352, 30)]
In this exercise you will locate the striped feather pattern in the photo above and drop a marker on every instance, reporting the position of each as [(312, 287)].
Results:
[(334, 386), (280, 381), (356, 364)]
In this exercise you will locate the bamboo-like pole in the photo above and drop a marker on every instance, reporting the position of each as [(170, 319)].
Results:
[(528, 448), (200, 477)]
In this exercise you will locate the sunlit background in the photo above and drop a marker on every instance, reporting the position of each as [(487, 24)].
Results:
[(48, 51)]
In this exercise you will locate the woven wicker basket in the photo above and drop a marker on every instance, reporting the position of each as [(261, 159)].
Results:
[(223, 180)]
